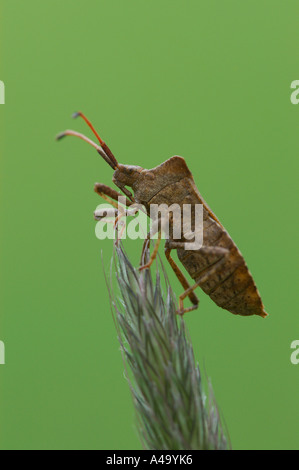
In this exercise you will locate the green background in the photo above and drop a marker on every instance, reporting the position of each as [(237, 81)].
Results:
[(208, 80)]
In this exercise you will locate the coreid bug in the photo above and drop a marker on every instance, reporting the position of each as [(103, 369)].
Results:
[(217, 267)]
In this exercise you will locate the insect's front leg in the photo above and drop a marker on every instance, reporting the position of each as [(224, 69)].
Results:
[(105, 212), (110, 195), (123, 188), (116, 212)]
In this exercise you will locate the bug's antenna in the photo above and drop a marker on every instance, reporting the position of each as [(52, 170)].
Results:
[(90, 142), (102, 143)]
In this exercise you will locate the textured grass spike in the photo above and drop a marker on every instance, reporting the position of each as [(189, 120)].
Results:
[(173, 413)]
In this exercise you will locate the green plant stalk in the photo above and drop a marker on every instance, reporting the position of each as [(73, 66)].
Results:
[(173, 412)]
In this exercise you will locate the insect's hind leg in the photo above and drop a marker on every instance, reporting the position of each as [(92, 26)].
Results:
[(194, 299)]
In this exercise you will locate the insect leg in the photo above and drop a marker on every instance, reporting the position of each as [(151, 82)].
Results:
[(123, 188), (144, 249), (109, 194), (101, 214), (208, 272), (104, 214), (155, 252), (181, 278)]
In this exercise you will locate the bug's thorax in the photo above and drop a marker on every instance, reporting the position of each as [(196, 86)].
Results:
[(146, 184)]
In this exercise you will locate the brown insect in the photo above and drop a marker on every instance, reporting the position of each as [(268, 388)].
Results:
[(217, 267)]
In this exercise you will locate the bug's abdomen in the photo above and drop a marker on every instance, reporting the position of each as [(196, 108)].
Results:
[(230, 284)]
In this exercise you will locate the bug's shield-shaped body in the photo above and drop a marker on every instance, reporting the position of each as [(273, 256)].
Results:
[(218, 266), (229, 283)]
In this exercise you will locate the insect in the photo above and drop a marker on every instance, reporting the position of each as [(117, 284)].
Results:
[(218, 267)]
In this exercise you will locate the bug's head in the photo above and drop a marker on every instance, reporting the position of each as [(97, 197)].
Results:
[(126, 175)]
